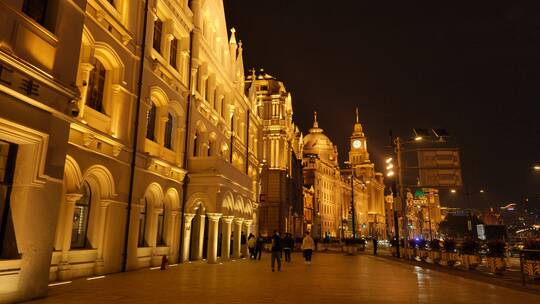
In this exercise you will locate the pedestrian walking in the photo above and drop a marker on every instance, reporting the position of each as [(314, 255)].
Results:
[(251, 245), (375, 244), (276, 250), (308, 245), (243, 244), (288, 246), (259, 247), (164, 262)]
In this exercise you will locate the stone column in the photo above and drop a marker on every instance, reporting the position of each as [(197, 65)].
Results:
[(69, 210), (213, 225), (117, 100), (85, 69), (226, 229), (102, 218), (237, 237), (187, 236), (247, 230), (172, 236), (200, 238)]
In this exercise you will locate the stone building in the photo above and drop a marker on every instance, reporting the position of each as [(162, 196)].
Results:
[(348, 201), (373, 213), (281, 193), (224, 141), (39, 52), (129, 131)]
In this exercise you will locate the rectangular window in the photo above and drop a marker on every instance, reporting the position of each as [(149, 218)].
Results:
[(160, 226), (174, 53), (8, 243), (35, 9), (142, 226), (158, 28)]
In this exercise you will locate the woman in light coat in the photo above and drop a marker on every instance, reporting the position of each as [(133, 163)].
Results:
[(308, 245)]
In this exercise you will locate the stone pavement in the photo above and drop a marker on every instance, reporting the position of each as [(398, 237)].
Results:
[(331, 278)]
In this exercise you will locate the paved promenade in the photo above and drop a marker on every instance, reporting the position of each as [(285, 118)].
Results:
[(331, 278)]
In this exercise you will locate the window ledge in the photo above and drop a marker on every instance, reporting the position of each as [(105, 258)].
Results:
[(10, 266)]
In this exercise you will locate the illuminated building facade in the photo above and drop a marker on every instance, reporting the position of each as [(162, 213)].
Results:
[(424, 213), (372, 215), (282, 181), (334, 187), (80, 194), (39, 46), (224, 142), (321, 171)]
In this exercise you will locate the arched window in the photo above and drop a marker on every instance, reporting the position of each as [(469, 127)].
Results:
[(142, 225), (96, 87), (168, 141), (160, 241), (151, 123), (81, 214)]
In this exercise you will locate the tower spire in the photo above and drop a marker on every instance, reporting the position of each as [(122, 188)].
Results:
[(315, 122), (357, 119)]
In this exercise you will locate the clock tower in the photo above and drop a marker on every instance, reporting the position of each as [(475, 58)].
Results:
[(358, 153)]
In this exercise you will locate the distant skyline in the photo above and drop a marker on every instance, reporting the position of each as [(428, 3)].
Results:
[(472, 68)]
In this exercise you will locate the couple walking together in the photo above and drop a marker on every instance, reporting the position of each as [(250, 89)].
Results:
[(308, 245)]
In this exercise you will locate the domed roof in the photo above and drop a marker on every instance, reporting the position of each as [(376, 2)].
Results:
[(317, 143)]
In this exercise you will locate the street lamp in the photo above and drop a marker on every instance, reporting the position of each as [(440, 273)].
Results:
[(353, 215), (390, 173), (467, 197), (419, 135)]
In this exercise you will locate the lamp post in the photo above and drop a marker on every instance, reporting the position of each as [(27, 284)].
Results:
[(353, 215), (419, 135), (391, 174)]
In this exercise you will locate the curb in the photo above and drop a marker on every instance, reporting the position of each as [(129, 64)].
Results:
[(472, 275)]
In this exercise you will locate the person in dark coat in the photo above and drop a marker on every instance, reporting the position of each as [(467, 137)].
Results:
[(288, 246), (375, 244), (164, 262), (276, 250), (259, 247)]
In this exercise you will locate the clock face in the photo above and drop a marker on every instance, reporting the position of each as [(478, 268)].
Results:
[(356, 144)]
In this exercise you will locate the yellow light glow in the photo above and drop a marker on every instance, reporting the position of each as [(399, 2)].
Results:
[(390, 174), (390, 166), (453, 191), (536, 168), (388, 160), (418, 138), (481, 190)]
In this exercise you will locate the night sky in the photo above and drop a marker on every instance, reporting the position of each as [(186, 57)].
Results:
[(471, 67)]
